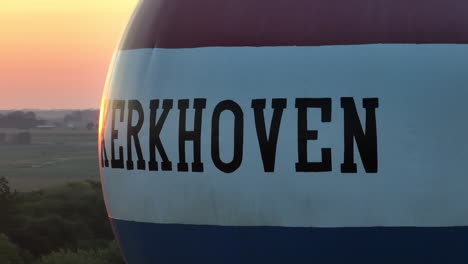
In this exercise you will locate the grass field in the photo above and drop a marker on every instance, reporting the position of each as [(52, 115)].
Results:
[(54, 157)]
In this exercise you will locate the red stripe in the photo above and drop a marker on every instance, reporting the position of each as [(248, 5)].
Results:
[(204, 23)]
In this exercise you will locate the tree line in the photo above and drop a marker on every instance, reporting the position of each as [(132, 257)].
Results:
[(64, 224), (20, 119)]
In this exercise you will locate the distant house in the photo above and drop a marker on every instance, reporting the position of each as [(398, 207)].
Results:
[(70, 125), (81, 119), (46, 126)]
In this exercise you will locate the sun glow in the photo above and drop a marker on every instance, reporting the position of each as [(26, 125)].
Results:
[(67, 5), (55, 53)]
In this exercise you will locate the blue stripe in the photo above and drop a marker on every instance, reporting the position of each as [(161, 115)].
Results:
[(174, 243)]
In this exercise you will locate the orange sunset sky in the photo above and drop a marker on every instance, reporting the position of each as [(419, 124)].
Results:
[(55, 53)]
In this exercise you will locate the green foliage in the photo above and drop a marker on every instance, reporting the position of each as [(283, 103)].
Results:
[(7, 197), (64, 216), (4, 188), (64, 224), (100, 256), (19, 119), (9, 252), (7, 206)]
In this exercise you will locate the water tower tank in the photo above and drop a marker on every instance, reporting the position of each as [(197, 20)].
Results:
[(289, 131)]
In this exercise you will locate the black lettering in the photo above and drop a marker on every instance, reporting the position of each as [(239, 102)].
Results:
[(155, 131), (132, 132), (304, 135), (195, 135), (238, 136), (366, 142), (117, 163), (102, 129), (268, 143), (104, 160)]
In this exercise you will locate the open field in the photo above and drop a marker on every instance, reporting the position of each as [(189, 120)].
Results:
[(54, 157)]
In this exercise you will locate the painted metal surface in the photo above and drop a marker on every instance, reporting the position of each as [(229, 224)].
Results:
[(291, 139)]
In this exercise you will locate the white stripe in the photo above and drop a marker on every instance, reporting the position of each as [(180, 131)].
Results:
[(421, 121)]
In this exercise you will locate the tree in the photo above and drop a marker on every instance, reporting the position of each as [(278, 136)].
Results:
[(19, 119), (4, 188), (68, 216), (62, 224), (109, 255), (9, 252), (73, 116), (90, 125), (7, 206)]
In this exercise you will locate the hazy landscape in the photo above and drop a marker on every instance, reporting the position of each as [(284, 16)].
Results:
[(63, 150), (51, 203), (54, 156), (52, 206)]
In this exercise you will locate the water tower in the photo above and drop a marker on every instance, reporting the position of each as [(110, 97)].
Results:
[(280, 131)]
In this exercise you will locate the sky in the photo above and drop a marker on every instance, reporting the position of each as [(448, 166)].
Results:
[(54, 54)]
